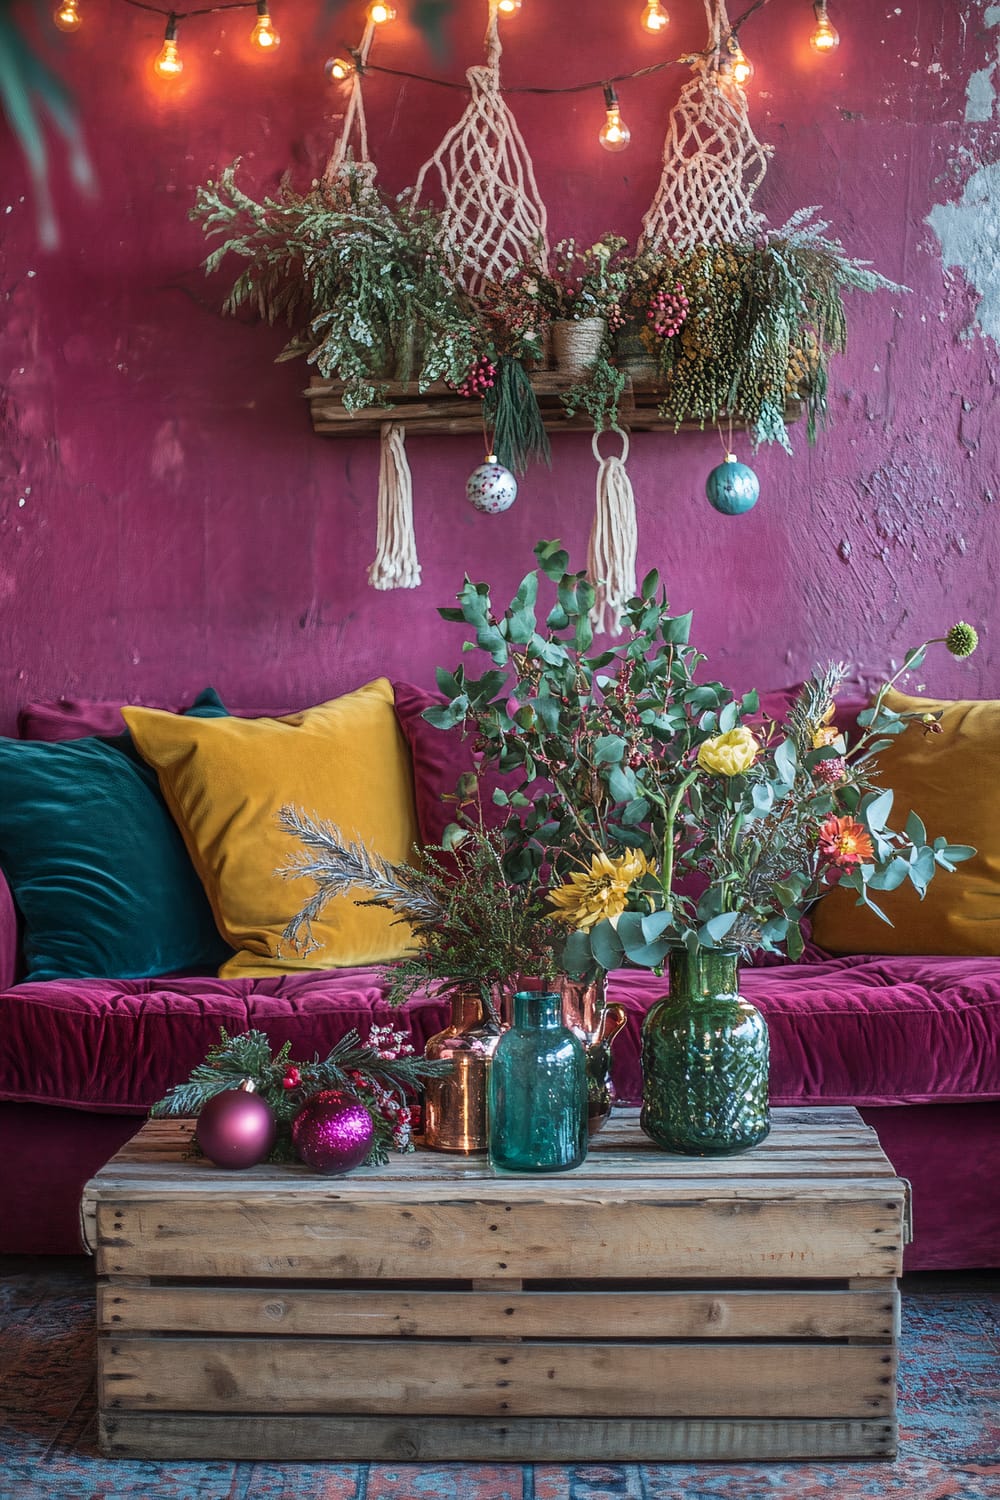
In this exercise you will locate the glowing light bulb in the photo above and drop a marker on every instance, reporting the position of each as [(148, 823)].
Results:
[(654, 17), (380, 12), (169, 63), (740, 65), (826, 37), (67, 15), (264, 35), (614, 134), (508, 7), (338, 68)]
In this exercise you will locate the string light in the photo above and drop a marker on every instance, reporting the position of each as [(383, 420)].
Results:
[(380, 11), (169, 63), (614, 134), (826, 38), (338, 68), (739, 65), (508, 7), (67, 15), (654, 17), (264, 35)]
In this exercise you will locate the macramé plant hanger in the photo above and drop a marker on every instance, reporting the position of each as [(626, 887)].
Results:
[(493, 213), (395, 565), (713, 163), (712, 166)]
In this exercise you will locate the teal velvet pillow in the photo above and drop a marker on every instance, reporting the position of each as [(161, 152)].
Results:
[(96, 864)]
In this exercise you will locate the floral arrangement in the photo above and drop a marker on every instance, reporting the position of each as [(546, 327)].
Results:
[(581, 283), (383, 1073), (473, 928), (737, 330), (664, 811)]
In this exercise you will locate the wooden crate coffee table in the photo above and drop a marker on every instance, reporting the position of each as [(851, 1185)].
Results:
[(641, 1307)]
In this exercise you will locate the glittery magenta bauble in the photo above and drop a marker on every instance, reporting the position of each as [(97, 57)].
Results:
[(236, 1128), (333, 1131)]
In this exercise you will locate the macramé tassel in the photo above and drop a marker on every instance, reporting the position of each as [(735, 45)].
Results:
[(614, 540), (395, 565)]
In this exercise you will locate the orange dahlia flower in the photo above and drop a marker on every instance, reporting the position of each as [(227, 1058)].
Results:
[(845, 842)]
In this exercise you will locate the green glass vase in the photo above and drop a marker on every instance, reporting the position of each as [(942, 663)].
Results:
[(537, 1091), (704, 1060)]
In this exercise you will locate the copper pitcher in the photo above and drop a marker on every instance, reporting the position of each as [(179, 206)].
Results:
[(586, 1011)]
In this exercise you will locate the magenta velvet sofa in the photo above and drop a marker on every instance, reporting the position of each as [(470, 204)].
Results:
[(913, 1042)]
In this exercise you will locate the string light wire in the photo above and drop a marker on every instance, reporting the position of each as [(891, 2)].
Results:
[(686, 59)]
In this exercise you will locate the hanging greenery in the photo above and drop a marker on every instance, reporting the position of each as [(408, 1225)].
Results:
[(362, 279)]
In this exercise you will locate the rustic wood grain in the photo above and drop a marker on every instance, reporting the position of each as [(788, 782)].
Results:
[(187, 1435), (429, 1378), (640, 1314)]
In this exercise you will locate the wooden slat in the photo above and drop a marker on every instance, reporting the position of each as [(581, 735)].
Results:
[(416, 1314), (369, 1377), (300, 1236), (515, 1440), (438, 409)]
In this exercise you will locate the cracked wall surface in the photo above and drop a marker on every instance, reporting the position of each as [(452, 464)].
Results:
[(168, 518)]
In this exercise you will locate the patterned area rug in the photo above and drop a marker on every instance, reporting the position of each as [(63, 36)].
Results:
[(949, 1422)]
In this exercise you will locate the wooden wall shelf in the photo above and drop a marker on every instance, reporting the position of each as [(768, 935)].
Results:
[(440, 410)]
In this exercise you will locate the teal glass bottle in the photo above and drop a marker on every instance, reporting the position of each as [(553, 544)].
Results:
[(705, 1058), (537, 1094)]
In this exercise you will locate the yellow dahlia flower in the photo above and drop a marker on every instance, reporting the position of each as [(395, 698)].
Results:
[(729, 754), (602, 891)]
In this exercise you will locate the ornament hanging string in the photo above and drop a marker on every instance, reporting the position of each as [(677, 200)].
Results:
[(614, 541)]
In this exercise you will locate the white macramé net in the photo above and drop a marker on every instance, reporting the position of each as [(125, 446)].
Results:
[(493, 213), (344, 158), (395, 565), (713, 163)]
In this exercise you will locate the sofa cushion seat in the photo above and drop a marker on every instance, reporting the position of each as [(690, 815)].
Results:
[(862, 1031)]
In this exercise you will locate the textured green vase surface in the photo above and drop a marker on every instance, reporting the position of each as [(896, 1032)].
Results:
[(537, 1091), (704, 1061)]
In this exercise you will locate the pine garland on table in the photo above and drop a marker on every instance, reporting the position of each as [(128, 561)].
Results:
[(383, 1073)]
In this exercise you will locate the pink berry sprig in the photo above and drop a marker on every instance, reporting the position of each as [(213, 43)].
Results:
[(668, 311), (479, 380)]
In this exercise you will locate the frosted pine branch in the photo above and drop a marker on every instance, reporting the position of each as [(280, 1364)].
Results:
[(338, 866)]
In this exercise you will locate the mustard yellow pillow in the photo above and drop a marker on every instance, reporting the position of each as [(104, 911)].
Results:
[(950, 781), (345, 761)]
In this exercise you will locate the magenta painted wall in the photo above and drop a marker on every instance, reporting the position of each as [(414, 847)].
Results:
[(168, 518)]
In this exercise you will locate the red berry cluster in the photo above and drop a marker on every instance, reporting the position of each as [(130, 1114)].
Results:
[(479, 380), (668, 311)]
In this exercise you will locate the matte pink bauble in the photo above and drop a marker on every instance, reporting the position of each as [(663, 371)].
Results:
[(236, 1128), (333, 1131)]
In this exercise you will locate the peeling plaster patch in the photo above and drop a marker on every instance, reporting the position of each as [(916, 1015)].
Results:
[(167, 458), (980, 95), (991, 15), (969, 232)]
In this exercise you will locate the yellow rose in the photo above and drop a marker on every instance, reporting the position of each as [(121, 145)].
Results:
[(729, 754)]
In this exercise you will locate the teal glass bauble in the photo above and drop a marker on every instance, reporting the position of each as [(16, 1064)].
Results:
[(732, 487)]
